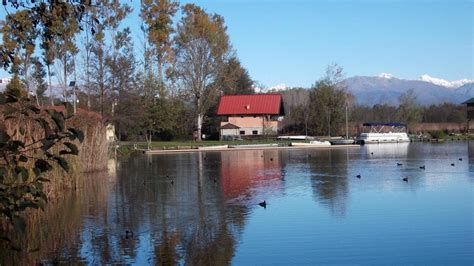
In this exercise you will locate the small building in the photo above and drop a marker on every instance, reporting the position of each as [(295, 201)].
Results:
[(110, 132), (250, 115), (470, 112)]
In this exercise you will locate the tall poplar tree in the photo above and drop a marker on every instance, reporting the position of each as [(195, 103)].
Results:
[(201, 47), (64, 43), (158, 17), (18, 36), (105, 55)]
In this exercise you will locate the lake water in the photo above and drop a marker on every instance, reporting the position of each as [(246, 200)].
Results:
[(202, 209)]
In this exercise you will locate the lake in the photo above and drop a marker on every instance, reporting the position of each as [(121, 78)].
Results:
[(203, 209)]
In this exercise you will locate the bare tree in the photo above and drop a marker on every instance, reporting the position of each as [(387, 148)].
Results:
[(201, 46)]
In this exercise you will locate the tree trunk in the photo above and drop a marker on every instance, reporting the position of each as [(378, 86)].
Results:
[(101, 100), (49, 84), (199, 126), (65, 77), (26, 75)]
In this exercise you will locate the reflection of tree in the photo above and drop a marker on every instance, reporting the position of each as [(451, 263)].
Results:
[(329, 181), (55, 230), (165, 252), (470, 152), (188, 221), (185, 221)]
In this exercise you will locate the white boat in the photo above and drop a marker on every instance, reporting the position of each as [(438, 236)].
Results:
[(313, 143), (396, 134), (215, 147)]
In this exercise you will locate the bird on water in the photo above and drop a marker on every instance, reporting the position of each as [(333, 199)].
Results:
[(452, 164), (358, 176), (460, 159), (422, 167), (405, 179), (399, 164), (263, 204)]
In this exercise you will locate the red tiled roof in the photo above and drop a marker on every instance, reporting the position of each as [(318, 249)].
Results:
[(250, 104)]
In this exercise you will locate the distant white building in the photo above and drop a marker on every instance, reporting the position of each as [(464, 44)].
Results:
[(4, 82), (110, 132)]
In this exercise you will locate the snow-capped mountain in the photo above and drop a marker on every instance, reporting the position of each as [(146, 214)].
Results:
[(276, 88), (386, 75), (386, 88), (445, 83)]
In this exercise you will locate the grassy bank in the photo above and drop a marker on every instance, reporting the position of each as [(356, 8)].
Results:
[(130, 147), (127, 147)]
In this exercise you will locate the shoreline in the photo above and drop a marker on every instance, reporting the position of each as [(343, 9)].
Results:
[(250, 148)]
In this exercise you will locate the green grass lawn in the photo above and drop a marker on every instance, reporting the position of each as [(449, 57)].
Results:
[(194, 144), (460, 137)]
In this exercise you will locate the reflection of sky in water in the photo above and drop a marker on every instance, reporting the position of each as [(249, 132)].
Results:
[(202, 208)]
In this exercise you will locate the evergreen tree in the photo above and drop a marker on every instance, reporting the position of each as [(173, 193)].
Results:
[(234, 79), (38, 76)]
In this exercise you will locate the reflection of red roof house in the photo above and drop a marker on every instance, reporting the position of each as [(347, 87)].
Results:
[(242, 182), (251, 114)]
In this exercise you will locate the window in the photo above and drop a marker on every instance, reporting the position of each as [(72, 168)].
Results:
[(255, 132), (242, 132)]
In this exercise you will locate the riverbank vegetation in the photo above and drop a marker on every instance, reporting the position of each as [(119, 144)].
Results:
[(43, 152), (35, 144)]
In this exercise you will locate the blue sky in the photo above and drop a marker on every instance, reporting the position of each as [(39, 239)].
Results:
[(292, 42)]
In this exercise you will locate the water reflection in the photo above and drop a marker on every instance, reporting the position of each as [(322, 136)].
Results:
[(201, 208), (329, 181), (387, 150), (245, 173), (470, 149)]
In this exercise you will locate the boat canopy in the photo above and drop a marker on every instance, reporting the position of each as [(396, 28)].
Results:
[(384, 124)]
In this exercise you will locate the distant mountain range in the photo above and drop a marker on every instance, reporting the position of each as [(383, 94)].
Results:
[(386, 88)]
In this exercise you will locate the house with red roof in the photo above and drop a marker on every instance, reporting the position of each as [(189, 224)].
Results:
[(250, 115)]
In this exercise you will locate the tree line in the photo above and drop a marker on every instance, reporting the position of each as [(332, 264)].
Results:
[(164, 87), (321, 109)]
